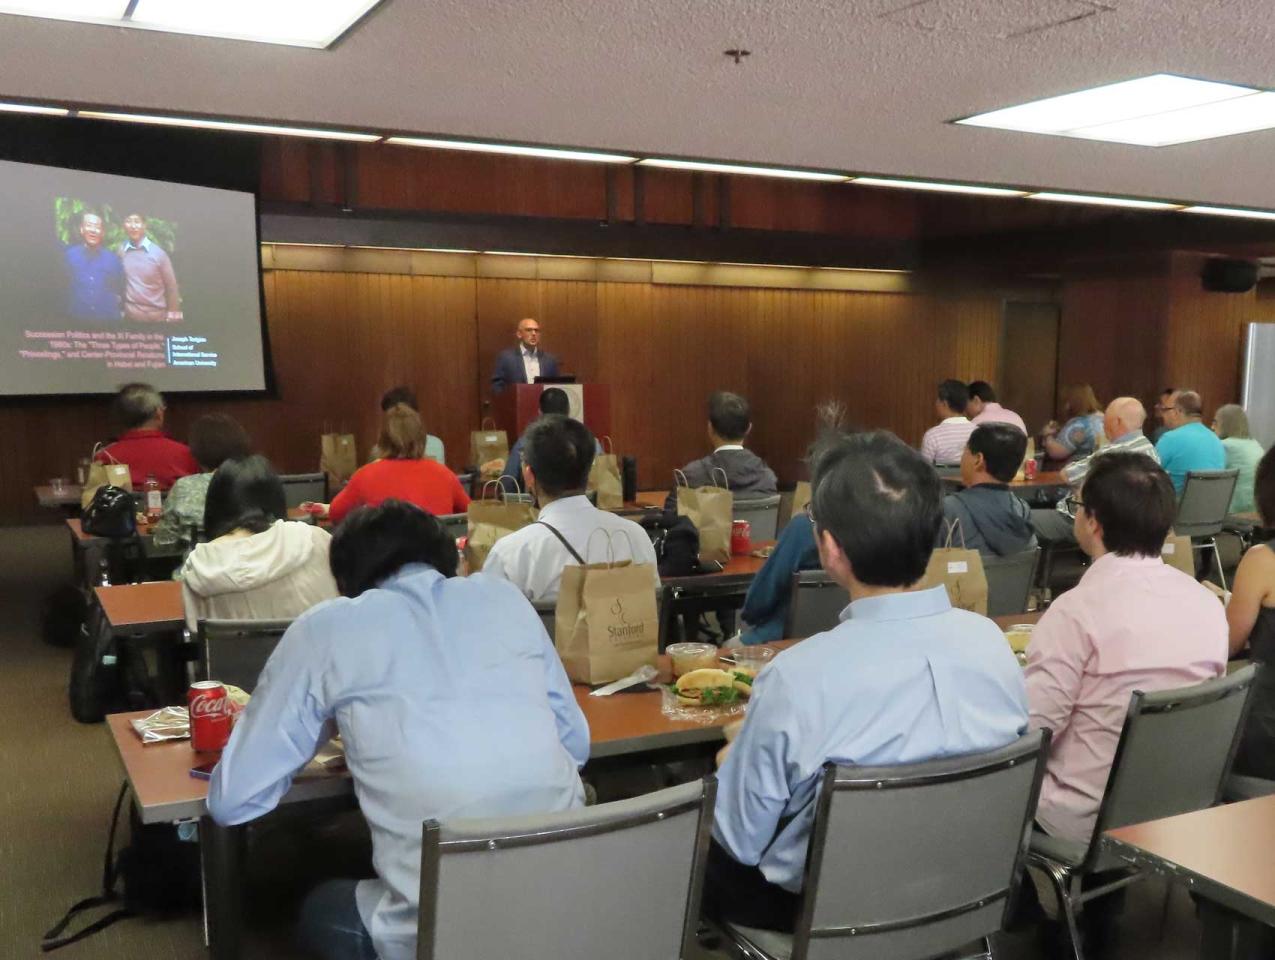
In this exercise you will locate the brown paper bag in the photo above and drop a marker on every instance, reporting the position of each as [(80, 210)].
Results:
[(489, 520), (104, 474), (961, 571), (488, 444), (604, 477), (1177, 552), (711, 510), (800, 497), (606, 624), (338, 458)]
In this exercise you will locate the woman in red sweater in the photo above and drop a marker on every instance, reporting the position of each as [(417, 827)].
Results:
[(404, 473)]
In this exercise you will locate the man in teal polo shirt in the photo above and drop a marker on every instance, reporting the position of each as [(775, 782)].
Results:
[(1187, 444)]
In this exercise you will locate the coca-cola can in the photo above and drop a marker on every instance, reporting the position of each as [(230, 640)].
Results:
[(741, 538), (210, 716), (1029, 469)]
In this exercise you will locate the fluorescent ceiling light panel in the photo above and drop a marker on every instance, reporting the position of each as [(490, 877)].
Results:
[(1157, 110), (1232, 212), (90, 11), (232, 126), (33, 108), (745, 170), (939, 187), (300, 23), (1106, 201), (473, 146)]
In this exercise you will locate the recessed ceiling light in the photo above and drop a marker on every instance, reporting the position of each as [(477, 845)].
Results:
[(1156, 110), (92, 11), (1106, 201), (473, 146), (1232, 212), (33, 108), (939, 187), (234, 126), (748, 171)]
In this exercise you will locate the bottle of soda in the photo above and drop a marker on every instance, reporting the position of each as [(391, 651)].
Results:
[(154, 501)]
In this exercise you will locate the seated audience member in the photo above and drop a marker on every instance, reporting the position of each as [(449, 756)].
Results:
[(984, 408), (903, 678), (729, 422), (552, 400), (1243, 453), (1132, 623), (257, 565), (1163, 404), (403, 473), (143, 445), (214, 439), (1251, 618), (451, 704), (943, 442), (769, 596), (390, 399), (989, 517), (1082, 434), (1123, 422), (559, 452), (1187, 444)]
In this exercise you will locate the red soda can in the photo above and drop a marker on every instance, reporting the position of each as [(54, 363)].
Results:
[(1029, 469), (210, 719), (741, 538)]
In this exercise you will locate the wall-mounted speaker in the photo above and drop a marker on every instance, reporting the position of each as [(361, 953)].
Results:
[(1221, 275)]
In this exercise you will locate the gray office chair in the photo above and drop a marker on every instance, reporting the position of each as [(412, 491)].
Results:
[(1009, 581), (454, 524), (1240, 787), (1149, 781), (299, 488), (547, 610), (761, 512), (814, 605), (632, 873), (234, 651), (1203, 510), (911, 861)]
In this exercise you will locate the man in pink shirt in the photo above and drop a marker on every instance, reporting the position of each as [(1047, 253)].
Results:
[(984, 408), (1132, 623)]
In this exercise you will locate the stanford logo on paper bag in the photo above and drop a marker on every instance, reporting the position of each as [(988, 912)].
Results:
[(627, 633)]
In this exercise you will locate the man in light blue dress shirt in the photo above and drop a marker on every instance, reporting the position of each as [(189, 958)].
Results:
[(451, 703), (904, 677)]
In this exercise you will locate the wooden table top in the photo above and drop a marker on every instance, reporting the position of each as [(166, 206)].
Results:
[(1048, 478), (1226, 852), (142, 607), (740, 569), (69, 497)]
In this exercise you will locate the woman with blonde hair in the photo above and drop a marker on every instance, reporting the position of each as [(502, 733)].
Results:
[(1230, 423), (1082, 433), (403, 473)]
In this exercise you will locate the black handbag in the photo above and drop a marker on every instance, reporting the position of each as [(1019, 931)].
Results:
[(111, 513), (676, 543)]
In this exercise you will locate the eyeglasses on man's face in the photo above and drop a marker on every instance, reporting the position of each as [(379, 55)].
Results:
[(1072, 505)]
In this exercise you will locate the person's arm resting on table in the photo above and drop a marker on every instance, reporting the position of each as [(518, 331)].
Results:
[(278, 733)]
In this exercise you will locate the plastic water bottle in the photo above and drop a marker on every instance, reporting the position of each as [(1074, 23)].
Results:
[(154, 500)]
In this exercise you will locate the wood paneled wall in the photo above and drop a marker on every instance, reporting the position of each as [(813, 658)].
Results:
[(339, 339)]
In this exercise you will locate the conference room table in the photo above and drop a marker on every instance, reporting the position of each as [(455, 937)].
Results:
[(1223, 855), (65, 498)]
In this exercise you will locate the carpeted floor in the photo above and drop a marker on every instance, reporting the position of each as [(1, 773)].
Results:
[(61, 777)]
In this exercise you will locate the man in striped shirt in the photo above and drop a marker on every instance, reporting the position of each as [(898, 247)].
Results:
[(944, 442), (1123, 421)]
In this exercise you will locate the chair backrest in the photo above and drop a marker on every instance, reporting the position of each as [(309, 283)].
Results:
[(1009, 581), (301, 487), (814, 604), (454, 524), (762, 513), (466, 481), (547, 610), (234, 651), (1205, 502), (916, 860), (631, 872), (1149, 780)]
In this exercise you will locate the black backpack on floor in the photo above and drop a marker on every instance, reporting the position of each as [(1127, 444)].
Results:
[(159, 872)]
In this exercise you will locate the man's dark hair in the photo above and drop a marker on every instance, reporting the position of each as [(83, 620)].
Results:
[(1131, 496), (243, 494), (1264, 488), (392, 397), (729, 415), (881, 502), (216, 438), (373, 543), (955, 394), (1189, 403), (136, 403), (982, 390), (560, 452), (555, 400), (1003, 447)]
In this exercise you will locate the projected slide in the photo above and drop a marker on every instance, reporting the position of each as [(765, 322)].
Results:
[(107, 279)]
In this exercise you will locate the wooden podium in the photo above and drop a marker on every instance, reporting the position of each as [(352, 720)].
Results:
[(515, 408)]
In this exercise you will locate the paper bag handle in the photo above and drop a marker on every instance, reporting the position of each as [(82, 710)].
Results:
[(486, 484), (685, 483), (609, 447), (517, 485), (483, 425), (951, 532), (610, 538), (712, 475)]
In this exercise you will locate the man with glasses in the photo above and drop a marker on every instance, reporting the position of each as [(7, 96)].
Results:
[(525, 362), (903, 678), (1187, 444), (1163, 405)]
